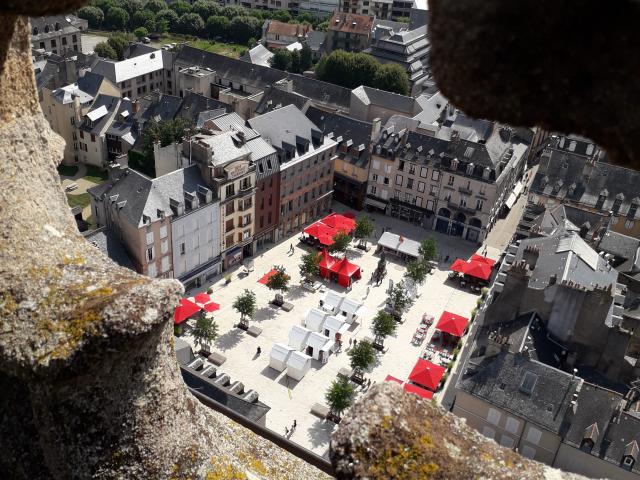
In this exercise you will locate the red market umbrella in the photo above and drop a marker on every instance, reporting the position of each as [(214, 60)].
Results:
[(416, 390), (350, 215), (326, 239), (452, 324), (339, 222), (426, 374), (184, 310), (266, 276), (479, 270), (390, 378), (317, 229), (211, 307), (458, 266), (202, 298), (479, 258)]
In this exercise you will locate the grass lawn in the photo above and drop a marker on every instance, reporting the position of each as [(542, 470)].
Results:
[(80, 200), (95, 175), (227, 49), (67, 170)]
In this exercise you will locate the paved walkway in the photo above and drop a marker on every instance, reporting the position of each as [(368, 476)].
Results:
[(83, 186), (291, 400)]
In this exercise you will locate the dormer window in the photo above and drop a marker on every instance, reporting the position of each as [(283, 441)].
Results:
[(46, 29), (589, 438), (617, 203), (601, 198), (35, 30), (57, 26), (528, 383), (630, 455), (633, 208)]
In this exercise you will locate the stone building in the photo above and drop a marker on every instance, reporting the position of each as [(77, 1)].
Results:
[(348, 31), (573, 172), (302, 147), (57, 34), (277, 34), (380, 9)]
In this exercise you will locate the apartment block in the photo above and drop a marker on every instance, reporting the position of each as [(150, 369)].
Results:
[(349, 31), (57, 34)]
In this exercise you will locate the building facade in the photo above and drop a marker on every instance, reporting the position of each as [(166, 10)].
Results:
[(267, 199), (306, 158), (348, 31), (277, 34), (58, 34), (380, 9)]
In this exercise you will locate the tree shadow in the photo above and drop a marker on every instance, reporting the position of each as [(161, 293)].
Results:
[(296, 292), (265, 313), (320, 432), (270, 373), (228, 340)]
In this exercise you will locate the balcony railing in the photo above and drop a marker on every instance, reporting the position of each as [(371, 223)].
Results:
[(466, 190)]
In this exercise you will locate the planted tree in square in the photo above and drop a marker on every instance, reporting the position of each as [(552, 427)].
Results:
[(245, 305), (364, 229), (398, 300), (383, 325), (417, 271), (340, 242), (205, 331), (339, 396), (428, 249), (279, 281), (362, 356), (309, 266)]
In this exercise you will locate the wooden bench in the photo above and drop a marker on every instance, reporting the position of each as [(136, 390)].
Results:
[(217, 358), (319, 410), (254, 331)]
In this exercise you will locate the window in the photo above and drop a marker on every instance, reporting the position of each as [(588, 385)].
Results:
[(386, 181), (418, 201), (372, 189), (409, 182), (528, 451), (165, 264), (401, 167), (387, 169), (182, 248), (64, 40), (463, 201), (269, 217), (412, 169), (628, 224), (512, 425), (507, 441), (150, 254), (616, 205), (408, 198), (430, 205), (152, 272), (533, 435), (424, 172), (74, 38), (93, 137), (633, 208), (435, 175), (376, 164), (488, 432), (230, 190), (164, 246), (53, 43), (450, 181), (163, 232), (149, 238), (479, 205), (434, 190), (81, 133), (399, 179), (493, 416), (421, 186), (374, 177)]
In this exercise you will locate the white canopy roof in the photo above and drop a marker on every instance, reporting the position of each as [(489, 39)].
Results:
[(399, 244), (314, 319), (332, 299), (298, 335), (336, 324), (351, 306), (298, 360), (317, 341), (281, 352)]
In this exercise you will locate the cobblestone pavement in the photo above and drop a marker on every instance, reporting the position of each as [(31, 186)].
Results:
[(290, 399)]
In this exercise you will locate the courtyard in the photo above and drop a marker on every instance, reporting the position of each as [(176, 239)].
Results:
[(292, 400)]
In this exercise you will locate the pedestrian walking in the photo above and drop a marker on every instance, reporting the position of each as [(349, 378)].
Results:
[(446, 259), (295, 424), (286, 432), (350, 342), (258, 351), (355, 342), (368, 290)]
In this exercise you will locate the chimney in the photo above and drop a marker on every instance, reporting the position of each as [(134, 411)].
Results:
[(376, 125), (135, 106)]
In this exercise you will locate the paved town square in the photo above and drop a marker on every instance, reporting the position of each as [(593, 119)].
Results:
[(291, 400)]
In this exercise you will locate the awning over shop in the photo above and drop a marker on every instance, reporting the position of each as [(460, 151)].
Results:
[(375, 203)]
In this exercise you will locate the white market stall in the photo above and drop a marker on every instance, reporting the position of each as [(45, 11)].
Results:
[(298, 364), (298, 337), (314, 319), (351, 309), (399, 245), (335, 327), (331, 301), (279, 355), (318, 346)]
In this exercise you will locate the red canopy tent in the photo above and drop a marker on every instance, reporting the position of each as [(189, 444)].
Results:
[(211, 307), (479, 258), (184, 310), (339, 222), (421, 392), (458, 266), (326, 262), (326, 239), (390, 378), (346, 272), (452, 324), (426, 374)]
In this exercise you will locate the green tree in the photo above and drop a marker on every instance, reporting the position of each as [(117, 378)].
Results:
[(361, 357), (398, 299), (140, 33), (340, 242), (243, 28), (144, 18), (428, 249), (364, 227), (130, 6), (190, 24), (364, 69), (205, 330), (245, 305), (206, 9), (155, 5), (417, 271), (309, 265), (392, 78), (281, 15), (322, 26), (233, 11), (117, 18), (295, 62), (279, 280), (382, 326), (306, 58), (93, 15), (281, 59), (180, 7), (339, 397), (168, 16), (217, 26), (119, 41), (103, 5), (104, 50)]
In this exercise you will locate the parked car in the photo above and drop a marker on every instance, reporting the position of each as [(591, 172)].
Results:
[(71, 187), (146, 40)]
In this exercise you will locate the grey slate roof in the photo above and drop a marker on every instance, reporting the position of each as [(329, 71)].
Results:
[(194, 103), (499, 381), (393, 101), (108, 243), (111, 104), (225, 146), (316, 39), (597, 405), (68, 25), (258, 55), (275, 97)]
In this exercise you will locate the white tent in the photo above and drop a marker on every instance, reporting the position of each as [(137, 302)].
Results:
[(399, 245), (314, 319), (332, 301), (351, 309), (333, 326), (279, 356), (298, 337), (298, 364), (316, 346)]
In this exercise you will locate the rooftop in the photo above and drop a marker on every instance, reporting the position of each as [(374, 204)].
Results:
[(258, 55), (109, 244), (121, 71), (351, 23), (275, 27)]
